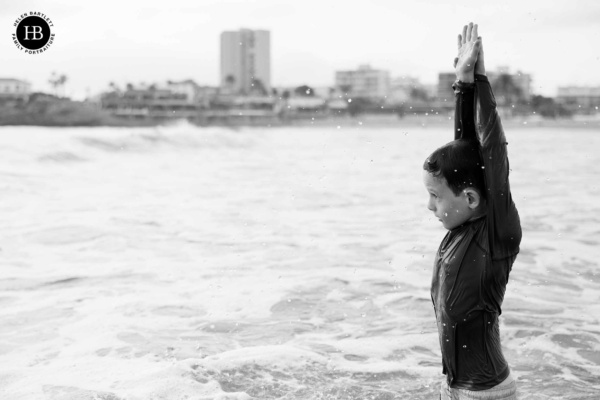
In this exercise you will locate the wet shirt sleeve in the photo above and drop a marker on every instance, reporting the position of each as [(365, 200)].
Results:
[(504, 227), (476, 117), (464, 110)]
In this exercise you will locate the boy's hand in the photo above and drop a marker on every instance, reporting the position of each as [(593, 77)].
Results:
[(480, 64), (468, 50)]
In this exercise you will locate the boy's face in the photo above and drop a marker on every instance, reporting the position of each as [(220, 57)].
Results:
[(450, 209)]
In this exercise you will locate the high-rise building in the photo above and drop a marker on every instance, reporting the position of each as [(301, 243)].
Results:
[(365, 82), (246, 62)]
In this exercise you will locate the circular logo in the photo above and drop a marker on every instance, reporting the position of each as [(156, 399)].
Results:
[(33, 34)]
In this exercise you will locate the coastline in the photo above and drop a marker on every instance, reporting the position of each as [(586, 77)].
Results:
[(384, 121), (78, 114)]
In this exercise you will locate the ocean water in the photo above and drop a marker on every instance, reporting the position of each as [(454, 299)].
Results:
[(283, 263)]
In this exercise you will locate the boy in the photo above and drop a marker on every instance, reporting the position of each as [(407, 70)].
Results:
[(467, 181)]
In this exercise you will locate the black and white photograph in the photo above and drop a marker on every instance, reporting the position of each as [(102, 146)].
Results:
[(299, 200)]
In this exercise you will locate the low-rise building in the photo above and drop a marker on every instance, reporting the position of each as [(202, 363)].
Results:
[(14, 89), (365, 82), (520, 79), (187, 88), (403, 89), (151, 102), (579, 99), (444, 86), (194, 93), (510, 86)]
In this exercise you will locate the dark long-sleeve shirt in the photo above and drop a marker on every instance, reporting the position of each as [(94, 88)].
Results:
[(474, 260)]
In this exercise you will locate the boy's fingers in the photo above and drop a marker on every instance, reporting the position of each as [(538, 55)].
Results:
[(469, 30), (464, 35), (480, 45), (474, 33), (459, 40), (455, 61)]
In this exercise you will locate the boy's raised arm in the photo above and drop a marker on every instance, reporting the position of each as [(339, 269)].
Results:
[(505, 228), (464, 113), (464, 88), (470, 74), (490, 126)]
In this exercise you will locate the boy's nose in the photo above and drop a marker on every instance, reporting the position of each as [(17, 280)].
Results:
[(430, 206)]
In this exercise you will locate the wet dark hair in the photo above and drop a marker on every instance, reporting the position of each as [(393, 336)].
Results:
[(459, 163)]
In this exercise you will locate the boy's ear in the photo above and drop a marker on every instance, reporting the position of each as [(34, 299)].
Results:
[(473, 198)]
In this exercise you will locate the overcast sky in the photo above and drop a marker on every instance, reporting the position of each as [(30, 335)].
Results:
[(557, 42)]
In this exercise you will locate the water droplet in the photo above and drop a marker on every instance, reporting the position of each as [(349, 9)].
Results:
[(464, 346), (349, 100), (445, 214)]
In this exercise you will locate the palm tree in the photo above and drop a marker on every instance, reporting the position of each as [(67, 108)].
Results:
[(304, 91), (58, 81), (258, 87), (113, 87)]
